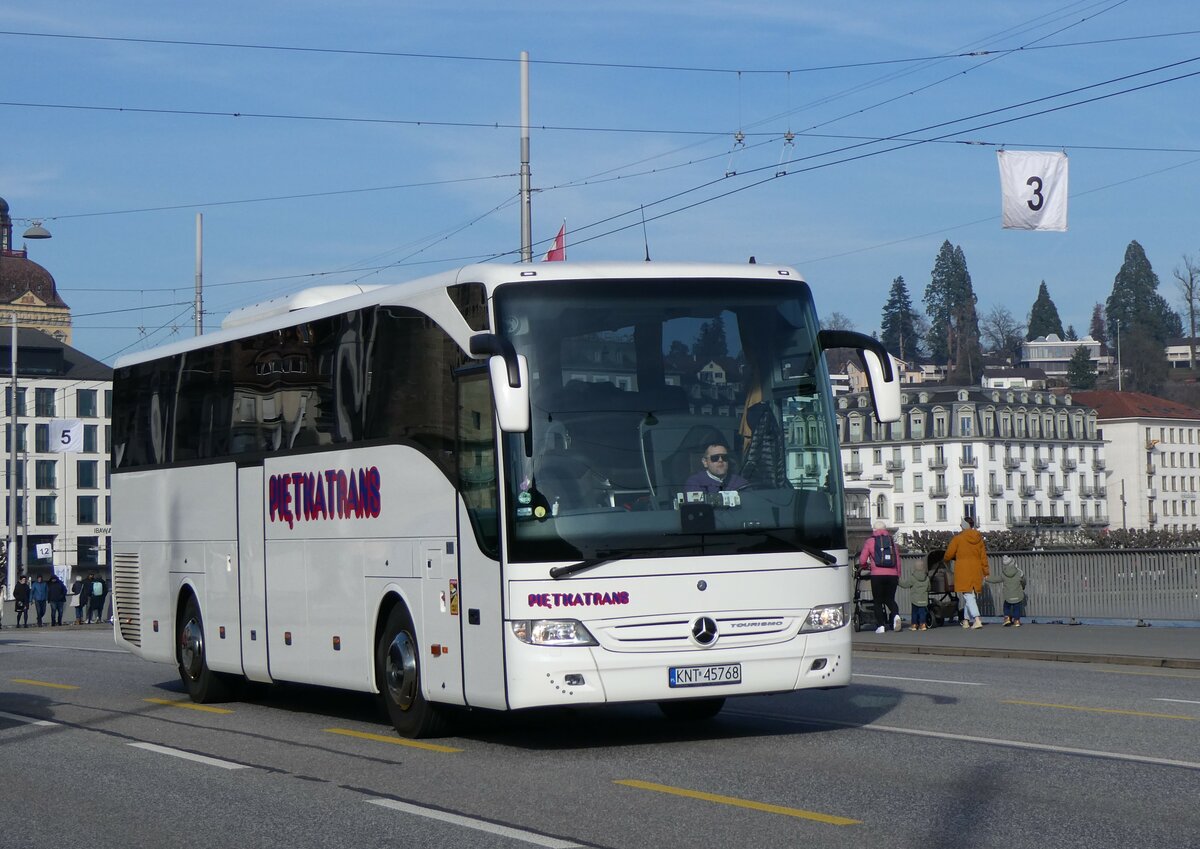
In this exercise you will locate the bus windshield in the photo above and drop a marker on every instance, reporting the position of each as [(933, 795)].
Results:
[(670, 418)]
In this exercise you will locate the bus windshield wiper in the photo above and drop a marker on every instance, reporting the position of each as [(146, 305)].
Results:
[(583, 565)]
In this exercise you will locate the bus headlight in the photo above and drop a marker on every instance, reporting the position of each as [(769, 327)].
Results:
[(826, 617), (552, 632)]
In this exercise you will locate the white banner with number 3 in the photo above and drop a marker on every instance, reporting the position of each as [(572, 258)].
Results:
[(1033, 186)]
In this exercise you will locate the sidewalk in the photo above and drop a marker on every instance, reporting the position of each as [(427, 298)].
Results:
[(1156, 645)]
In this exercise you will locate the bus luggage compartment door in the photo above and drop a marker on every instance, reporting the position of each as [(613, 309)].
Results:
[(442, 649)]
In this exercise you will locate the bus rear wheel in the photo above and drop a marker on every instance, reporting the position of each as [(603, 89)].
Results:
[(398, 676), (203, 685), (692, 709)]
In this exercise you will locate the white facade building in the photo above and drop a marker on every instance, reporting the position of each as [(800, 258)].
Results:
[(1153, 451), (62, 498), (1010, 458), (1053, 355)]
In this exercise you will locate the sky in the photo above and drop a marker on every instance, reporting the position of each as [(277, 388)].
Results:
[(375, 141)]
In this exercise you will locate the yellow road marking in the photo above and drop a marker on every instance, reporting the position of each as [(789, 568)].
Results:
[(183, 703), (740, 803), (396, 741), (44, 684), (1100, 710)]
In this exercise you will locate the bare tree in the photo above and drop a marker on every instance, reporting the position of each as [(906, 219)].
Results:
[(1002, 332), (837, 321), (1189, 287)]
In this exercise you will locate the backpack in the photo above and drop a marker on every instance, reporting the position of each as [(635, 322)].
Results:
[(885, 553), (97, 588)]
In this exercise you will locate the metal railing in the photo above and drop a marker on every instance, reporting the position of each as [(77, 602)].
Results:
[(1132, 584)]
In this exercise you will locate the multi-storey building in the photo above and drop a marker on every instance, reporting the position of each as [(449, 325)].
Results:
[(1153, 451), (1053, 355), (62, 498), (1007, 457)]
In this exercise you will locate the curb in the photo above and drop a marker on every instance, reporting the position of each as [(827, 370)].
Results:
[(1029, 654)]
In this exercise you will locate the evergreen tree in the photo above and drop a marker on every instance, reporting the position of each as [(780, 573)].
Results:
[(1043, 317), (710, 341), (1081, 374), (898, 324), (939, 301), (966, 352), (1071, 336), (1135, 302), (1097, 331)]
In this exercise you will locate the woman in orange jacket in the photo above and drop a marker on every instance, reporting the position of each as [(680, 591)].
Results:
[(969, 554)]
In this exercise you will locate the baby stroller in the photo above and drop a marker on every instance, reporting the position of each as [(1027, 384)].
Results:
[(862, 609), (943, 601)]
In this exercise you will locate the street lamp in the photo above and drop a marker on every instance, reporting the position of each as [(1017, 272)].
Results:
[(35, 231)]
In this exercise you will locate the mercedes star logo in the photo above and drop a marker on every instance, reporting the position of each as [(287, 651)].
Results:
[(704, 631)]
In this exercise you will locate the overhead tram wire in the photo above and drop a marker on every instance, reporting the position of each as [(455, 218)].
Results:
[(584, 64), (868, 154), (909, 143), (991, 218), (269, 199)]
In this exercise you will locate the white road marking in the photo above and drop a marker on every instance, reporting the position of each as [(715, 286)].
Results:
[(1179, 701), (25, 719), (188, 756), (67, 647), (922, 680), (477, 824), (967, 738)]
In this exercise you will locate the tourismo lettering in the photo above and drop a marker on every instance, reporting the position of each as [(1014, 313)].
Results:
[(328, 494), (577, 599)]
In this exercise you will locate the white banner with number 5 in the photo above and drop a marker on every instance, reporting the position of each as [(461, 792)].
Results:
[(1033, 185), (66, 435)]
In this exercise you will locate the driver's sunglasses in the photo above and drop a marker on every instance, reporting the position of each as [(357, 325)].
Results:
[(717, 458)]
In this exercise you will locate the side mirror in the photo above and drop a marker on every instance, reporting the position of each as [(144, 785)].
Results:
[(882, 375), (510, 380)]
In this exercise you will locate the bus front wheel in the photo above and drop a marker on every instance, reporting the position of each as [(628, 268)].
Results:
[(398, 676), (202, 684)]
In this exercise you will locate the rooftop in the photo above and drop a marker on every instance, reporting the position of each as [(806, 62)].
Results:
[(1133, 405)]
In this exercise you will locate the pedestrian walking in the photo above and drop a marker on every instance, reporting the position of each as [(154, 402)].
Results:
[(969, 554), (96, 590), (21, 601), (56, 594), (881, 556), (918, 595), (3, 598), (38, 594), (1014, 590), (78, 599)]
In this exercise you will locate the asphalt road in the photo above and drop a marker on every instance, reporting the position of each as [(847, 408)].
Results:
[(102, 749)]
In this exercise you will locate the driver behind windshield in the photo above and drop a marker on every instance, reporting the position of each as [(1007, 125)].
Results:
[(718, 474)]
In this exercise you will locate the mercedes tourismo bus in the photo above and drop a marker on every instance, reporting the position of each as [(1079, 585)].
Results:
[(472, 490)]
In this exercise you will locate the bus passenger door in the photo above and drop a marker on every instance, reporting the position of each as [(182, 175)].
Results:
[(252, 573), (481, 615)]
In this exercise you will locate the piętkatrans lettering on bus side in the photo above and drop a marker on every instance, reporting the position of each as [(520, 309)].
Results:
[(329, 494)]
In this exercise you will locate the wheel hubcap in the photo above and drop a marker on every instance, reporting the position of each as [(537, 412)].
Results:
[(400, 670), (191, 649)]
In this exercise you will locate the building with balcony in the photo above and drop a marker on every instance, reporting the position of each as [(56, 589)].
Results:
[(1152, 475), (1053, 355), (63, 503), (1008, 457)]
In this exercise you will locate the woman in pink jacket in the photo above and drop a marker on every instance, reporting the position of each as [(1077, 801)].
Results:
[(881, 556)]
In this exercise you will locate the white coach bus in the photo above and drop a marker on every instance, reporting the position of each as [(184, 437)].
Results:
[(472, 490)]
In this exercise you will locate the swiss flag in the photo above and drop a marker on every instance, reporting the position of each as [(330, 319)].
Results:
[(558, 253)]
